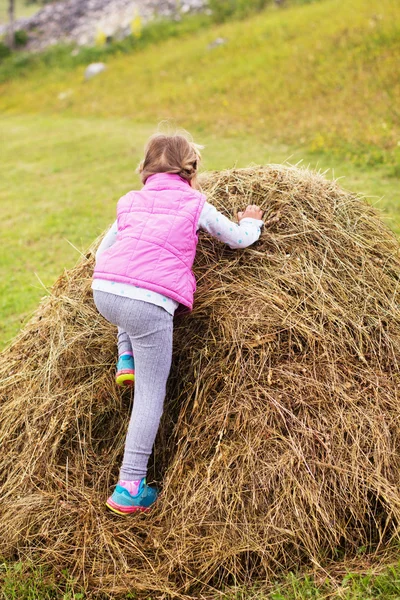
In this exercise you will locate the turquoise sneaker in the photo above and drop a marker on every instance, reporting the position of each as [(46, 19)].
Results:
[(123, 503), (125, 370)]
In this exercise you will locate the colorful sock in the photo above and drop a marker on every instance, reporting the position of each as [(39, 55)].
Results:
[(131, 486), (126, 354)]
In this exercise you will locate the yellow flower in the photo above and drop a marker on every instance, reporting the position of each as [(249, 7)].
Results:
[(100, 38), (136, 26)]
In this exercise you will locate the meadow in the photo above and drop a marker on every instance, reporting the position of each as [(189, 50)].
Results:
[(316, 83)]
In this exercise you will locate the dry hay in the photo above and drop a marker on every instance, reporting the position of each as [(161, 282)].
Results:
[(279, 446)]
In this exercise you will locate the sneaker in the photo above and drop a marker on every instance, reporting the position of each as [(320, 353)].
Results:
[(124, 503), (125, 370)]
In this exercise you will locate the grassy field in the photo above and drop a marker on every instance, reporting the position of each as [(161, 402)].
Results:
[(317, 83), (323, 76)]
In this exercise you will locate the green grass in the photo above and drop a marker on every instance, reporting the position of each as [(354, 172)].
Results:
[(21, 581), (323, 75), (384, 586)]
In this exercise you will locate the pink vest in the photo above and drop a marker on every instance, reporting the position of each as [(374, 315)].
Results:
[(157, 239)]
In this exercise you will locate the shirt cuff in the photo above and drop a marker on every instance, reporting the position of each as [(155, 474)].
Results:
[(250, 221)]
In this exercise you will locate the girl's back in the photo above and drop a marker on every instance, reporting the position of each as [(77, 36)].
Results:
[(157, 239)]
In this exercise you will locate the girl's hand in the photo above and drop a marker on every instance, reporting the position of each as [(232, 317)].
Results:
[(252, 212)]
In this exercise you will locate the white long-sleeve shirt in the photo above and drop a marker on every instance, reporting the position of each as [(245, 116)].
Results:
[(235, 235)]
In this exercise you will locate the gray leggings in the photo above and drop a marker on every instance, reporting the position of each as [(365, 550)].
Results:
[(149, 328)]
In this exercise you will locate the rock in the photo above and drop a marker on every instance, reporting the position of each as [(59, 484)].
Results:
[(219, 41), (81, 21), (65, 95), (94, 69)]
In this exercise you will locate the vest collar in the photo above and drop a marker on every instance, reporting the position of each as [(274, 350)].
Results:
[(165, 180)]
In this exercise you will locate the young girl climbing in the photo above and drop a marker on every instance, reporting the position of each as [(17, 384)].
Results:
[(143, 272)]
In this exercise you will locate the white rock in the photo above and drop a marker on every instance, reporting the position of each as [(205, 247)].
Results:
[(219, 41), (94, 69), (65, 95), (80, 21)]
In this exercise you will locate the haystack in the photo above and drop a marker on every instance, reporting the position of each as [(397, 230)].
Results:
[(279, 446)]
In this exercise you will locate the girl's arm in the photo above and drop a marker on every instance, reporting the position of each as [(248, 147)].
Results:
[(235, 235), (108, 239)]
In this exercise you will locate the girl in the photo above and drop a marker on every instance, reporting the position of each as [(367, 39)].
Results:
[(143, 272)]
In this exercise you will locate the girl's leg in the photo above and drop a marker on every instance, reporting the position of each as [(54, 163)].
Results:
[(152, 347), (125, 375), (150, 331), (124, 343)]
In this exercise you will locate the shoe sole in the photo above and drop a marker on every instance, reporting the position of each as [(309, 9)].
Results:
[(125, 378), (130, 510)]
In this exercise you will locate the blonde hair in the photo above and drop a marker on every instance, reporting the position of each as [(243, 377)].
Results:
[(171, 154)]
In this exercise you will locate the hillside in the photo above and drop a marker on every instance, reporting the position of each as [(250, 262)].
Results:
[(325, 75), (83, 23)]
